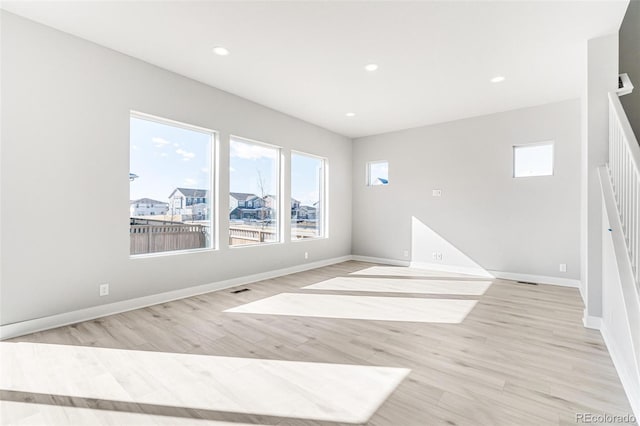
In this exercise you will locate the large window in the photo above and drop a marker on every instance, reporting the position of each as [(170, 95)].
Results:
[(307, 196), (171, 180), (254, 181), (533, 160)]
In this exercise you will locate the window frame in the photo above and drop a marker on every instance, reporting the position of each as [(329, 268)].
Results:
[(278, 191), (368, 173), (214, 243), (530, 145), (323, 194)]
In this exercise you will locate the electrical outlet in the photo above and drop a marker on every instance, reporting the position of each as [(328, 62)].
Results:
[(406, 253), (434, 255), (306, 254), (563, 267), (436, 192), (104, 289), (439, 256)]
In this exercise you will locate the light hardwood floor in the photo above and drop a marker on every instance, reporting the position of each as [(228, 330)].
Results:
[(520, 357)]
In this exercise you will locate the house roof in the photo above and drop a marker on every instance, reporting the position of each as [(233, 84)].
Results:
[(191, 192), (147, 201), (242, 196)]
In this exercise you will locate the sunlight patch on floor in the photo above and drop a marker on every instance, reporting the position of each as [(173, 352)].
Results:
[(25, 413), (405, 271), (401, 285), (361, 307), (317, 391)]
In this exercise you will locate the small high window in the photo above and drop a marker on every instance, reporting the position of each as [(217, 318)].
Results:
[(533, 160), (377, 173)]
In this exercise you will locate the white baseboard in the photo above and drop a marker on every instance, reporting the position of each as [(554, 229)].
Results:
[(466, 270), (539, 279), (591, 322), (630, 382), (384, 261), (45, 323), (513, 276)]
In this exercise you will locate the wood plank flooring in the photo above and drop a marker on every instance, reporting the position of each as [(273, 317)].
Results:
[(520, 357)]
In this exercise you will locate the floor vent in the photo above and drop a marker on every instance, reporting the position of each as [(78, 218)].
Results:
[(242, 290), (527, 282)]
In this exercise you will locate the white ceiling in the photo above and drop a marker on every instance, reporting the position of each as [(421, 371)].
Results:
[(306, 59)]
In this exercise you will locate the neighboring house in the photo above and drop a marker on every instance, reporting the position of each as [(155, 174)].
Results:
[(239, 199), (246, 206), (148, 207), (308, 213), (295, 208), (190, 202)]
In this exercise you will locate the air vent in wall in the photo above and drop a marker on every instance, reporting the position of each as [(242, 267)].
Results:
[(624, 85)]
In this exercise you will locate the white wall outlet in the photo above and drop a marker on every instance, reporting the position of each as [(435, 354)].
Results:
[(306, 254), (104, 289), (436, 192), (563, 267), (439, 256), (434, 255)]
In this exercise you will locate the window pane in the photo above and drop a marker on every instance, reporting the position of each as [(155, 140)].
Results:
[(170, 187), (307, 196), (378, 173), (533, 160), (253, 200)]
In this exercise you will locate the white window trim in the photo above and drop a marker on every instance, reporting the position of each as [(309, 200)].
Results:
[(532, 144), (368, 173), (214, 223), (278, 190), (324, 184)]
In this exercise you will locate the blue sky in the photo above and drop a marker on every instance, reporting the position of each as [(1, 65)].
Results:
[(167, 157)]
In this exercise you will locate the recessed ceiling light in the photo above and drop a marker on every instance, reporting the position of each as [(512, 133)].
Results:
[(371, 67), (222, 51), (497, 79), (350, 114)]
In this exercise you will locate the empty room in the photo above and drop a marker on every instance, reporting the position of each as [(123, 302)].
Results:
[(319, 213)]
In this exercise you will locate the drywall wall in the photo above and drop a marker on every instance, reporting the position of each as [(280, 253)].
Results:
[(601, 78), (492, 220), (65, 165), (630, 62)]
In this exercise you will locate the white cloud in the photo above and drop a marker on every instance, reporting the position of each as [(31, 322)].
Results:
[(135, 147), (309, 199), (159, 142), (231, 169), (189, 181), (186, 156), (164, 154), (251, 151), (176, 144)]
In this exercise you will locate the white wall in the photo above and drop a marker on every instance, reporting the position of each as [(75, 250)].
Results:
[(602, 78), (523, 225), (65, 128)]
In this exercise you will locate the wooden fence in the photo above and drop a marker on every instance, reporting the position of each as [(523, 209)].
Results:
[(171, 237), (159, 238), (240, 235)]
